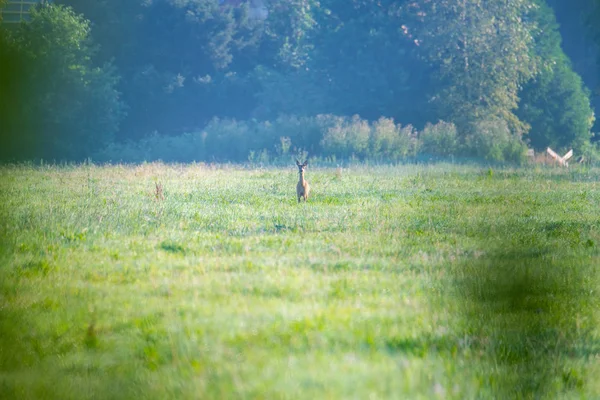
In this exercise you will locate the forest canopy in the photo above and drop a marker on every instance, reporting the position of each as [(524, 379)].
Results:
[(191, 80)]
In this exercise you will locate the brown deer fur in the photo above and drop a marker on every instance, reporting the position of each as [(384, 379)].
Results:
[(302, 188)]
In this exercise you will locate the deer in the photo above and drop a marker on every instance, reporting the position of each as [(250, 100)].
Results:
[(302, 188)]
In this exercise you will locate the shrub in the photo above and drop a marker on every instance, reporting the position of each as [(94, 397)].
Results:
[(493, 141), (440, 139), (591, 153), (283, 147), (383, 138), (346, 138), (303, 132), (334, 139), (390, 141), (406, 144), (188, 147), (338, 138), (228, 139)]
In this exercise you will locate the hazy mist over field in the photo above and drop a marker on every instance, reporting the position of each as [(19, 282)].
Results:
[(299, 199)]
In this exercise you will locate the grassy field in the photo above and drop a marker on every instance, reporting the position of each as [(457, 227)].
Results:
[(400, 282)]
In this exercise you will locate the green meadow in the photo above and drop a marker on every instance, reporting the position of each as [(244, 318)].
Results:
[(159, 281)]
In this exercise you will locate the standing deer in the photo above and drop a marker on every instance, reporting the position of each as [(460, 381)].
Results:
[(302, 188)]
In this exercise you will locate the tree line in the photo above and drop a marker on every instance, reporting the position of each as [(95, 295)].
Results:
[(97, 78)]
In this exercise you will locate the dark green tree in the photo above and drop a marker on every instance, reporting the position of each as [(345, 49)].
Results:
[(592, 18), (2, 4), (183, 62), (60, 105), (368, 65), (481, 52), (283, 79), (355, 60), (555, 103), (289, 32)]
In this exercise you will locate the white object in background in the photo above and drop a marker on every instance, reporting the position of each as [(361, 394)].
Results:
[(561, 160)]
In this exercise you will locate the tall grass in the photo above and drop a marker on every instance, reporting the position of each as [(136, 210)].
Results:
[(390, 282)]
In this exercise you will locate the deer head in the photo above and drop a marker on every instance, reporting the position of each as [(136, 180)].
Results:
[(301, 167)]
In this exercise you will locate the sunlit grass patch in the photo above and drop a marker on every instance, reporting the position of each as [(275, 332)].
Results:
[(394, 282)]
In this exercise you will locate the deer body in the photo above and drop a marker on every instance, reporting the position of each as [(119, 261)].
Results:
[(302, 188)]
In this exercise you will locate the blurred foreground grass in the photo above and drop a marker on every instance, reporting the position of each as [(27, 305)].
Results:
[(391, 282)]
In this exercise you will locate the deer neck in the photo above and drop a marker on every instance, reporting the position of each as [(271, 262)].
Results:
[(301, 178)]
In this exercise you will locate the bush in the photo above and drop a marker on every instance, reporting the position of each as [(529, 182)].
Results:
[(346, 138), (188, 147), (305, 133), (382, 140), (327, 136), (228, 139), (406, 144), (389, 141), (440, 139), (591, 153), (493, 141)]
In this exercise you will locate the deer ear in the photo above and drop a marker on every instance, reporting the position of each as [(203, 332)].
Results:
[(297, 162), (305, 163)]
